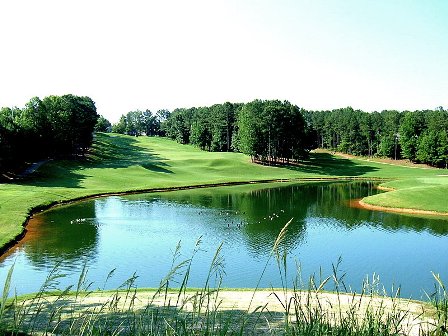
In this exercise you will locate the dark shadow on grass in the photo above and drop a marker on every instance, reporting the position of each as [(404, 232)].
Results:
[(327, 164), (113, 151), (158, 168), (110, 318), (108, 151)]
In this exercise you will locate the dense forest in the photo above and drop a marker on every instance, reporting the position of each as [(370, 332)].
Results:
[(56, 126), (210, 128), (419, 136), (274, 131), (270, 131), (141, 123)]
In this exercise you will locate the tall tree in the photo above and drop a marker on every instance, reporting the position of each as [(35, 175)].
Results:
[(200, 132), (272, 131), (120, 126), (103, 125), (411, 128), (389, 133), (52, 127), (177, 127), (151, 123)]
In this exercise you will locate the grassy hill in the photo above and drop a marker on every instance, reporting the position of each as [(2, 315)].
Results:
[(120, 163)]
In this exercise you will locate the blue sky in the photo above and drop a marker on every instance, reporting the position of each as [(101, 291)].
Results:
[(139, 54)]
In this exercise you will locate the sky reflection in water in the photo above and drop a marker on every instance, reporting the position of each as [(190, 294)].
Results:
[(139, 233)]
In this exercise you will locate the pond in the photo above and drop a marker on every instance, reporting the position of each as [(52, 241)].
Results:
[(138, 234)]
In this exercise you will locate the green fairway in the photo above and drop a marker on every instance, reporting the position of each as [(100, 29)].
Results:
[(424, 193), (122, 163)]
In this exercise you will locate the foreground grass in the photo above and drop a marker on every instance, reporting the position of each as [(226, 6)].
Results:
[(218, 312), (121, 163)]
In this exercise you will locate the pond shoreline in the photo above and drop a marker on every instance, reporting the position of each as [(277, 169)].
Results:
[(361, 204), (41, 208)]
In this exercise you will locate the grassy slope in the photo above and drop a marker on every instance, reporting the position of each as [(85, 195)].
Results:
[(122, 163), (425, 193)]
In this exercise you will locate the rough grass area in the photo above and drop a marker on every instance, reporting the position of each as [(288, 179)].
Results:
[(221, 312), (122, 163)]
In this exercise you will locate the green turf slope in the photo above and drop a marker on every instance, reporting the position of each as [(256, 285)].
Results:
[(424, 193), (120, 163)]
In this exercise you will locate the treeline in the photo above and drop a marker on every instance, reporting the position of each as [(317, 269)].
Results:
[(275, 131), (268, 130), (55, 126), (210, 128), (419, 136), (141, 123)]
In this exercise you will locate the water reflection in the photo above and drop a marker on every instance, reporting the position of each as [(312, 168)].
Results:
[(263, 211), (61, 236), (138, 234)]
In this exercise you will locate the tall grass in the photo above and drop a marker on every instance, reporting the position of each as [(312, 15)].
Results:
[(439, 299), (298, 308)]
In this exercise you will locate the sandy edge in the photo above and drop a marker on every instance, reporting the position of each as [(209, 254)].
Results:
[(400, 210), (380, 187), (416, 314)]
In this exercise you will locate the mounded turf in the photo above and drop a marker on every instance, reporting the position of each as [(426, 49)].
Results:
[(122, 163), (424, 193)]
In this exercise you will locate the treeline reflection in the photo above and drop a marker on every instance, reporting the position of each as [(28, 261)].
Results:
[(256, 213)]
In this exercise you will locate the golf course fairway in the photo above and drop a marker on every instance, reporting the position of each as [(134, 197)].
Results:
[(119, 164)]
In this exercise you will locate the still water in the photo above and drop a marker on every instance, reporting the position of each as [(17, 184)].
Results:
[(138, 234)]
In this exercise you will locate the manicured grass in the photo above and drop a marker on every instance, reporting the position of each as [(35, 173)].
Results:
[(122, 163), (425, 193)]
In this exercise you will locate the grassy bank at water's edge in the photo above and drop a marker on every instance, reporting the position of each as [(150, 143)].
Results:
[(122, 163), (423, 193)]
